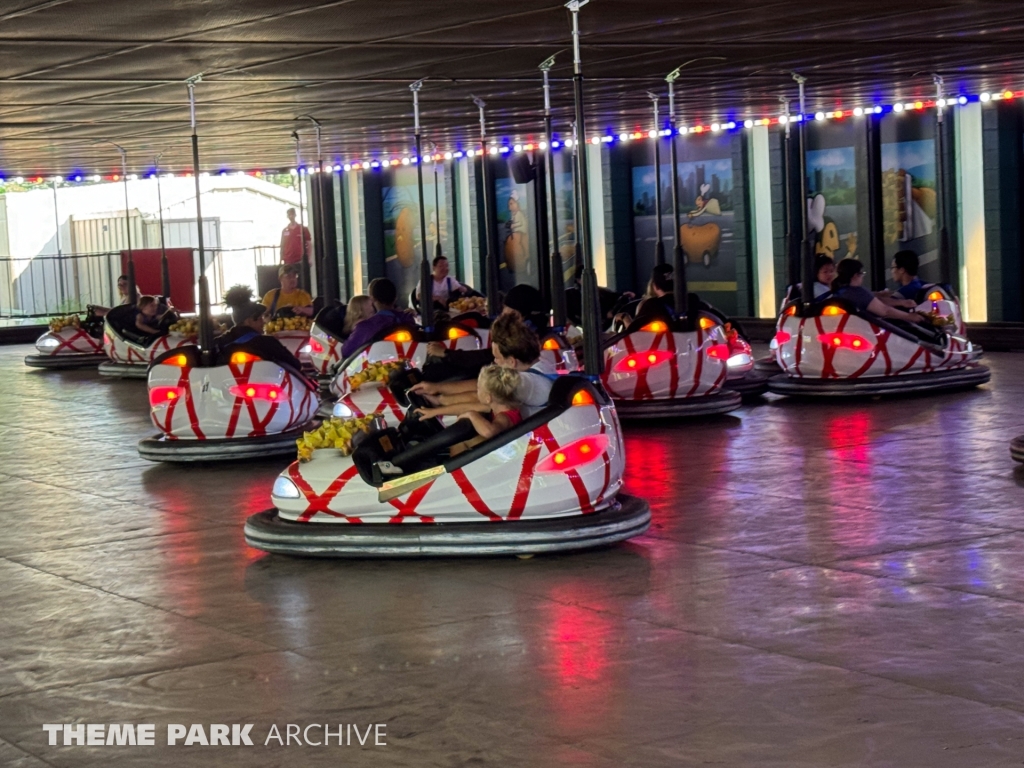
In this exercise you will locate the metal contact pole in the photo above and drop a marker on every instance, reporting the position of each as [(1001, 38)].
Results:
[(558, 310), (490, 259), (327, 291), (60, 253), (165, 269), (806, 257), (303, 263), (678, 256), (438, 251), (940, 181), (426, 280), (205, 320), (592, 355), (659, 245), (792, 269)]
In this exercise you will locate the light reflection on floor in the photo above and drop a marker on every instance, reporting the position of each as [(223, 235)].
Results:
[(823, 584)]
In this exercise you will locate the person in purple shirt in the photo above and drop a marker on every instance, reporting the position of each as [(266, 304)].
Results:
[(383, 294)]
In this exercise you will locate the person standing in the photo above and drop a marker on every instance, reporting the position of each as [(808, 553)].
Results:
[(295, 241)]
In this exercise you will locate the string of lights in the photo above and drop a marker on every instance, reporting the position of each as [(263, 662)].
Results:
[(505, 148)]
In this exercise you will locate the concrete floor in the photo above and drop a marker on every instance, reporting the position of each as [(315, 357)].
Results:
[(824, 585)]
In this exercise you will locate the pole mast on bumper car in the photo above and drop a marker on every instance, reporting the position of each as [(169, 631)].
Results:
[(426, 279), (659, 246), (558, 310), (491, 259), (205, 321), (133, 295), (165, 269), (592, 354), (328, 288), (807, 276), (680, 290)]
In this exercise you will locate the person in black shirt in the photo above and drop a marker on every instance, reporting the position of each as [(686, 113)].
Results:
[(250, 319), (849, 285)]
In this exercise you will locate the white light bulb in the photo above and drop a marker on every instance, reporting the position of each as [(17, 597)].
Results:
[(58, 179), (985, 97), (543, 145), (897, 107), (405, 161), (518, 147), (748, 123), (568, 142), (95, 177), (623, 137), (447, 155), (19, 179), (941, 102), (858, 111), (366, 165), (819, 115), (878, 110), (347, 166), (470, 153), (715, 127), (962, 100), (133, 177)]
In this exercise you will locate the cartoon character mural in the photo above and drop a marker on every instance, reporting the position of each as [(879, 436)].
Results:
[(827, 240), (701, 241), (517, 237), (832, 201)]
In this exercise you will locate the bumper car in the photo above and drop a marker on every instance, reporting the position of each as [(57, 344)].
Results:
[(1017, 449), (326, 337), (742, 374), (552, 483), (358, 394), (70, 343), (831, 349), (244, 406), (130, 353), (293, 331), (663, 367)]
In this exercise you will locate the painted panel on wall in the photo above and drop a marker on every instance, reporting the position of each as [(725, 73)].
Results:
[(402, 240), (909, 199), (708, 235)]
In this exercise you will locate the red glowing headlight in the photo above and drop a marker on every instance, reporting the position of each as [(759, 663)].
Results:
[(551, 344), (268, 392), (400, 337), (718, 351), (457, 333), (782, 337), (165, 395), (846, 341), (575, 454), (639, 361), (315, 347)]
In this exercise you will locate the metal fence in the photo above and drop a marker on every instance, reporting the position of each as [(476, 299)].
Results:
[(42, 286)]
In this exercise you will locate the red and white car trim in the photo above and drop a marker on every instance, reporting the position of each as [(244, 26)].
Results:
[(518, 481), (249, 397)]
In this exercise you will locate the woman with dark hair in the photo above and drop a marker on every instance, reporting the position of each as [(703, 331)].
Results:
[(849, 285)]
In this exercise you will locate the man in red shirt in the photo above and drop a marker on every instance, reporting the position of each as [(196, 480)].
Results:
[(293, 238)]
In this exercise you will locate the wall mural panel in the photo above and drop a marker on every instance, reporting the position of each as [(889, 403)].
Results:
[(402, 241), (707, 185), (909, 199)]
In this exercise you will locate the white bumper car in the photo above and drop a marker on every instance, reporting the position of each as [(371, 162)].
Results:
[(244, 406), (73, 346), (552, 483), (130, 353), (831, 349)]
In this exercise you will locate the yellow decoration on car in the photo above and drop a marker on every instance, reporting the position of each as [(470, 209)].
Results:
[(333, 433)]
